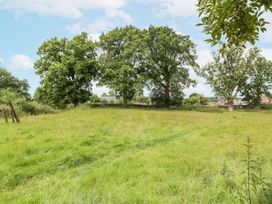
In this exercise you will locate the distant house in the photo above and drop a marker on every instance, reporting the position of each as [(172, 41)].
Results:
[(109, 99), (240, 102), (236, 102)]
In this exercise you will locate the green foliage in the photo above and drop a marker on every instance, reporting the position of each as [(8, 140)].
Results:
[(94, 99), (233, 22), (168, 58), (258, 78), (226, 73), (34, 108), (67, 69), (255, 187), (120, 61), (142, 100), (10, 83), (8, 95), (195, 100)]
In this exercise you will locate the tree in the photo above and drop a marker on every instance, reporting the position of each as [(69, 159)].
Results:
[(233, 22), (120, 61), (226, 74), (258, 78), (169, 56), (14, 85), (8, 95), (195, 100), (67, 69)]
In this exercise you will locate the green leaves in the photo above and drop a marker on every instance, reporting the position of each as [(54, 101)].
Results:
[(67, 69), (120, 62), (226, 73), (233, 22), (168, 59), (14, 85), (234, 71), (259, 78)]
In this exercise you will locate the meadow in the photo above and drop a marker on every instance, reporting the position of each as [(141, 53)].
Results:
[(119, 155)]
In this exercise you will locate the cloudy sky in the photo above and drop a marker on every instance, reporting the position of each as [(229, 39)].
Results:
[(25, 24)]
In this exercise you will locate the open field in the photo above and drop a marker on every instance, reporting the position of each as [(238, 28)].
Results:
[(115, 155)]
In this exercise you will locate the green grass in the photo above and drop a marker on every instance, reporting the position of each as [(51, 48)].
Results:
[(115, 155)]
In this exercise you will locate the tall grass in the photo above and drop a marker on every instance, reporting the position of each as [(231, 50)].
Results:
[(116, 155)]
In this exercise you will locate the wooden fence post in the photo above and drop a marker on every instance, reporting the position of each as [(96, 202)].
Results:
[(13, 113), (5, 115)]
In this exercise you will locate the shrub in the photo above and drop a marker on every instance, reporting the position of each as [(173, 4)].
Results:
[(34, 108), (195, 100), (255, 186), (142, 100), (94, 99)]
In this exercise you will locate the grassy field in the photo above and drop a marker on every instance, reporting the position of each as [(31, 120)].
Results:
[(115, 155)]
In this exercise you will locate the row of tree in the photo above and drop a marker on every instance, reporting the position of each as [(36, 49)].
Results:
[(128, 59), (125, 59)]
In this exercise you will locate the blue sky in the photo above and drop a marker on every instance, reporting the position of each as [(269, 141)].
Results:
[(25, 24)]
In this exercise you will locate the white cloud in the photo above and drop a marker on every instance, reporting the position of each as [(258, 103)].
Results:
[(76, 28), (267, 36), (181, 8), (204, 56), (20, 61), (94, 29), (201, 88), (119, 13), (99, 26), (267, 53), (66, 8), (1, 61)]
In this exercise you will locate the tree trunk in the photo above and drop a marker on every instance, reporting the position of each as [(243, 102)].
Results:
[(75, 103), (167, 96), (231, 106), (5, 115), (125, 101), (258, 103)]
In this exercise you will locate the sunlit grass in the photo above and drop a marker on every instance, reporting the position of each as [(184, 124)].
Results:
[(115, 155)]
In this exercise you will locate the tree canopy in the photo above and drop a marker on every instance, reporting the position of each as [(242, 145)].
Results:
[(67, 69), (258, 81), (17, 87), (233, 22), (120, 61), (169, 56), (226, 74)]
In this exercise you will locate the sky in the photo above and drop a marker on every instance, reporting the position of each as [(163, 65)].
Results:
[(25, 24)]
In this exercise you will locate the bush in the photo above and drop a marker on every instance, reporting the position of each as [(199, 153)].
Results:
[(195, 100), (142, 100), (34, 108), (94, 99)]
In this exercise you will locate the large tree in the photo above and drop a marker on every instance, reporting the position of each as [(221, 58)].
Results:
[(258, 81), (226, 74), (169, 56), (121, 51), (233, 22), (67, 69), (13, 84)]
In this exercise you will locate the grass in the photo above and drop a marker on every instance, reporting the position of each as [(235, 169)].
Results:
[(115, 155)]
